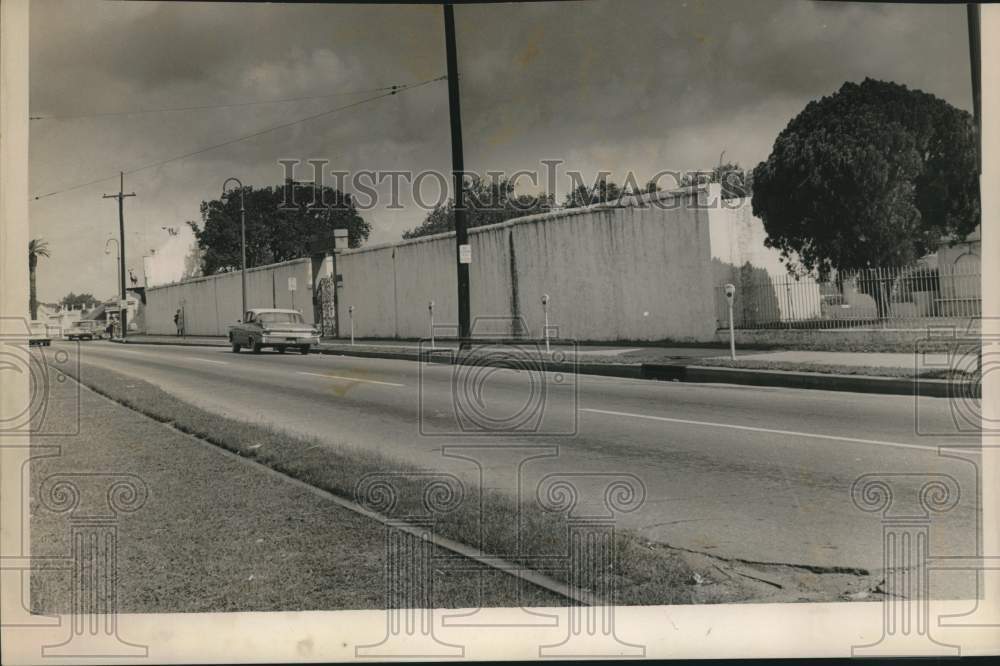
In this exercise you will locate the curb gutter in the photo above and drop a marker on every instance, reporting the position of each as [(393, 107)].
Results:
[(934, 388)]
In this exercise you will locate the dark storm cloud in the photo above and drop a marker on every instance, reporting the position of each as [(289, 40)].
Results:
[(637, 84)]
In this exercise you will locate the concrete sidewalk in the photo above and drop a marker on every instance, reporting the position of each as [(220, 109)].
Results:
[(612, 353), (883, 373), (606, 352)]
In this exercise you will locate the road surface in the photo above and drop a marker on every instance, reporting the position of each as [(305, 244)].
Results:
[(750, 473)]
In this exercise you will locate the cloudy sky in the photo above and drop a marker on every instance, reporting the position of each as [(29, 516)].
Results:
[(613, 85)]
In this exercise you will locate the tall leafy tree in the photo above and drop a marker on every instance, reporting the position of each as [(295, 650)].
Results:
[(736, 182), (486, 202), (607, 191), (602, 191), (874, 175), (37, 248), (71, 301), (279, 226)]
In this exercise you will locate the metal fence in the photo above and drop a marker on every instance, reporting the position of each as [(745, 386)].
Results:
[(875, 297)]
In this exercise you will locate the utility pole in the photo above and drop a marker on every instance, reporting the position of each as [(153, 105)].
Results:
[(462, 248), (975, 68), (121, 231)]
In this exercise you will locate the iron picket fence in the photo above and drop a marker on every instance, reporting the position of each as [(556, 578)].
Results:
[(872, 297)]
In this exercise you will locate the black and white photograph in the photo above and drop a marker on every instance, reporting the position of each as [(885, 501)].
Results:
[(466, 330)]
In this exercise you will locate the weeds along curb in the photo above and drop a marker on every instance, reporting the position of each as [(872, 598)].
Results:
[(643, 576)]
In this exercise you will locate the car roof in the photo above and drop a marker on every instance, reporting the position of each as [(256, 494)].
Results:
[(265, 310)]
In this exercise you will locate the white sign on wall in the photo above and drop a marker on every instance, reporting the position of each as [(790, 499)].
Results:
[(292, 284), (465, 254), (340, 239)]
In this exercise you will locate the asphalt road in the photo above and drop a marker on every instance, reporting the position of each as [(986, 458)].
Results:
[(758, 474)]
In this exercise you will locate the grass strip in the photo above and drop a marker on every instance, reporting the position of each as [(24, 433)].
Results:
[(838, 369), (641, 573)]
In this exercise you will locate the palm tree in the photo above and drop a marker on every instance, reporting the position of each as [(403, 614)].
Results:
[(36, 248)]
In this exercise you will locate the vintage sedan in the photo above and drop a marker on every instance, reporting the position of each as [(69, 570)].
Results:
[(274, 328), (85, 329), (39, 335)]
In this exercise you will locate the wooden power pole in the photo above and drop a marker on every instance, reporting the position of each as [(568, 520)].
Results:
[(121, 230), (462, 248)]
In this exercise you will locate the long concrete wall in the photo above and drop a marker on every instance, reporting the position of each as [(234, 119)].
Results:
[(740, 257), (612, 273), (212, 303)]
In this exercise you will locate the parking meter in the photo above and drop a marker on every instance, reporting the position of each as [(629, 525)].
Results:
[(430, 310), (730, 295), (545, 309)]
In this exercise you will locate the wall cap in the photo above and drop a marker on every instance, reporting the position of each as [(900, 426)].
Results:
[(627, 201), (205, 278)]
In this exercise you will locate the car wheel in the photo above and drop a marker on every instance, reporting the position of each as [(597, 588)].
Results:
[(236, 348), (281, 350), (304, 349), (255, 346)]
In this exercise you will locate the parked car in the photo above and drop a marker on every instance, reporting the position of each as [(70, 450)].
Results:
[(85, 329), (39, 336), (274, 328)]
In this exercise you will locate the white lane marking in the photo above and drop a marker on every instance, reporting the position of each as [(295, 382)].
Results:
[(205, 360), (772, 431), (351, 379)]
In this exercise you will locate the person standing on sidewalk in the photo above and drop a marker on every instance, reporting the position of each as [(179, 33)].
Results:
[(179, 321)]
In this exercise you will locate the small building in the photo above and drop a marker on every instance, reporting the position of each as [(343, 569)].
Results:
[(111, 310), (959, 266)]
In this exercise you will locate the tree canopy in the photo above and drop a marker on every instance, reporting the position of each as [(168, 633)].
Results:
[(604, 191), (486, 202), (874, 175), (275, 230), (72, 301), (736, 182)]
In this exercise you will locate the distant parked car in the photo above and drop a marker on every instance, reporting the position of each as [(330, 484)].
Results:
[(39, 336), (85, 329), (274, 328)]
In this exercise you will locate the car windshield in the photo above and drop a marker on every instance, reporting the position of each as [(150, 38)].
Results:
[(279, 318)]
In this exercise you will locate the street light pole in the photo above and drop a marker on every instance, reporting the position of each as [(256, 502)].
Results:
[(243, 244)]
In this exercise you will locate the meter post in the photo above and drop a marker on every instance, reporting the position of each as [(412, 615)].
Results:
[(430, 309), (545, 309), (730, 294)]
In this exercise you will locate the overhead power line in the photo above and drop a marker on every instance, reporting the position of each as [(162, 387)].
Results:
[(203, 107), (274, 128)]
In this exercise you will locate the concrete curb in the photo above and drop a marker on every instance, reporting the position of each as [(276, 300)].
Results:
[(934, 388)]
